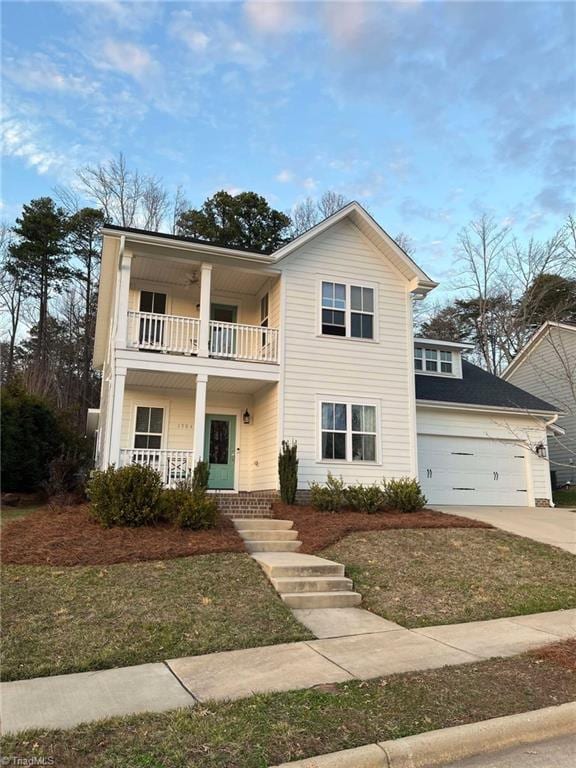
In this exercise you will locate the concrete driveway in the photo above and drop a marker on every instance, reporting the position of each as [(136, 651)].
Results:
[(550, 526)]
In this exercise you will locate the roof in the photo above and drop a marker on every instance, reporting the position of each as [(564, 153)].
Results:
[(478, 387), (531, 345), (420, 342)]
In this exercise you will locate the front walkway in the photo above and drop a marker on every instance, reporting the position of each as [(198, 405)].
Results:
[(553, 526), (66, 700)]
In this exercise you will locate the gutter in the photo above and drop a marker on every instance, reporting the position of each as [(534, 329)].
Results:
[(489, 408)]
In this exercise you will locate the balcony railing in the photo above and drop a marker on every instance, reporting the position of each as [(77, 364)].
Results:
[(181, 335), (173, 466)]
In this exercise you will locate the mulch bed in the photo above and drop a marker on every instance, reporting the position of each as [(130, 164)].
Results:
[(317, 530), (562, 653), (69, 536)]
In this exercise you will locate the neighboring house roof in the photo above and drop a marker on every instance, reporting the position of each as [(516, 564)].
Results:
[(478, 387), (531, 345)]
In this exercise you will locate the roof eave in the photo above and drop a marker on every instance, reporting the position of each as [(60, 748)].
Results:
[(487, 407)]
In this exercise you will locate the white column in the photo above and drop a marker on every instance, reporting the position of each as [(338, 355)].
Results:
[(200, 416), (115, 426), (205, 284), (122, 300)]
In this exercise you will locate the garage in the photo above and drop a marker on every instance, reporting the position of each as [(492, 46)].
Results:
[(469, 470)]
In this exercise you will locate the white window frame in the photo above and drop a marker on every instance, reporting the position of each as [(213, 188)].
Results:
[(455, 366), (135, 433), (165, 405), (348, 402), (348, 284)]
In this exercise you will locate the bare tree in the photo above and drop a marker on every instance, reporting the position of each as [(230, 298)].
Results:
[(310, 212), (180, 205), (155, 204), (406, 243), (11, 300), (330, 202)]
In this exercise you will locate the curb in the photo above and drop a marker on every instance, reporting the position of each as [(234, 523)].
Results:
[(433, 748)]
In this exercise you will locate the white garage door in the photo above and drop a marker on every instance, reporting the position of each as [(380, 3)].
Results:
[(467, 470)]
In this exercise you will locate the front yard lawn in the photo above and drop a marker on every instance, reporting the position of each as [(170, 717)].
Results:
[(565, 499), (59, 620), (422, 578), (269, 729)]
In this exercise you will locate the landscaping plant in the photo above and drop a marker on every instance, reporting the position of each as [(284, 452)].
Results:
[(189, 507), (288, 472), (365, 498), (329, 496), (126, 496), (403, 494), (201, 476)]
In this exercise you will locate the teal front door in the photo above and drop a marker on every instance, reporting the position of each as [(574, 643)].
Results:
[(220, 450)]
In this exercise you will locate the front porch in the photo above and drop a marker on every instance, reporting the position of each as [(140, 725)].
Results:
[(170, 421)]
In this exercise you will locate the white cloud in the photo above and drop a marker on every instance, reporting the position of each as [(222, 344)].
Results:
[(310, 184), (40, 73), (285, 176), (183, 26), (274, 16), (19, 140), (132, 59)]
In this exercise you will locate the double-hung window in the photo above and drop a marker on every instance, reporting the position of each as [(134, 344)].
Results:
[(148, 431), (347, 310), (446, 362), (348, 432), (418, 355), (433, 360)]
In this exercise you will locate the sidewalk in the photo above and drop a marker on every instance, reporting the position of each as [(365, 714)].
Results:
[(66, 700)]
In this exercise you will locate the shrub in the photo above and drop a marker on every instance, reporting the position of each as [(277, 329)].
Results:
[(288, 472), (126, 496), (189, 508), (201, 476), (329, 496), (365, 498), (66, 478), (403, 494)]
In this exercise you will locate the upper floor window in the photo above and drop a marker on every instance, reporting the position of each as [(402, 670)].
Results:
[(153, 302), (264, 311), (347, 310), (433, 360)]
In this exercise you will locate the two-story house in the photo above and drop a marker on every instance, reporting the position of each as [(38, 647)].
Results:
[(215, 353), (546, 367)]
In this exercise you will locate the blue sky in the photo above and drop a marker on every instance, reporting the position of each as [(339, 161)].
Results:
[(428, 113)]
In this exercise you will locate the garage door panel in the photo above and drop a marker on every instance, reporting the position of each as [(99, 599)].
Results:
[(472, 471)]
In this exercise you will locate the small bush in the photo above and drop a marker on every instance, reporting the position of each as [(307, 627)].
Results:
[(126, 496), (189, 508), (365, 498), (329, 496), (288, 472), (403, 495), (201, 476)]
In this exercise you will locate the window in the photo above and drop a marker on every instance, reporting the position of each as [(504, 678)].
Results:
[(348, 432), (347, 310), (148, 432), (363, 433), (153, 302), (334, 421), (446, 362), (431, 359), (362, 314), (264, 318), (418, 358), (333, 309)]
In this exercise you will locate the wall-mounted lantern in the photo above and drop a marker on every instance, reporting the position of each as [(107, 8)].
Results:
[(541, 450), (246, 417)]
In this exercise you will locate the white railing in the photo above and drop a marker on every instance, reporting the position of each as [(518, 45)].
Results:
[(173, 466), (181, 335), (167, 333), (243, 342)]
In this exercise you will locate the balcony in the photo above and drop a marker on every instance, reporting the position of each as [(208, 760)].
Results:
[(181, 335), (172, 466)]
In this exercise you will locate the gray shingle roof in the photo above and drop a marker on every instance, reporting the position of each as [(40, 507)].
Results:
[(478, 387)]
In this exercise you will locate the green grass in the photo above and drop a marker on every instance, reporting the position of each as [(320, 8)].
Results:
[(269, 729), (14, 513), (60, 620), (424, 577), (564, 499)]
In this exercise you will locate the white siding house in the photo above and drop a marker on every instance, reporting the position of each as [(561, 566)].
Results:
[(215, 353)]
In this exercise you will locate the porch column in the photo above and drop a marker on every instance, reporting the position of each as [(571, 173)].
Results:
[(122, 294), (115, 425), (200, 416), (205, 286)]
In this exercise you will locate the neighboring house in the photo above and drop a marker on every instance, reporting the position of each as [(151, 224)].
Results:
[(216, 353), (546, 367)]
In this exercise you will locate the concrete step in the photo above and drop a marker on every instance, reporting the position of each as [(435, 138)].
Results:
[(259, 534), (267, 523), (278, 565), (273, 546), (321, 599), (312, 584)]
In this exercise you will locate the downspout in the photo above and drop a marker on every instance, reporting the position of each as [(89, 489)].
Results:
[(547, 424)]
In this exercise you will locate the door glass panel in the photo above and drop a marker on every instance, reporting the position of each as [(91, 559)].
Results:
[(224, 314), (219, 442)]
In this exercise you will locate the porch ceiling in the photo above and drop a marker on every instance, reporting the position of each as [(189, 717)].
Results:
[(187, 382), (177, 273)]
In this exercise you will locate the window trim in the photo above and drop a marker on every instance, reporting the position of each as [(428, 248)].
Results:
[(348, 283), (348, 402), (165, 422), (455, 372)]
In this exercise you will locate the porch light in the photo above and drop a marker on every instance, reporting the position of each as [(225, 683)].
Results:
[(541, 450), (246, 417)]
